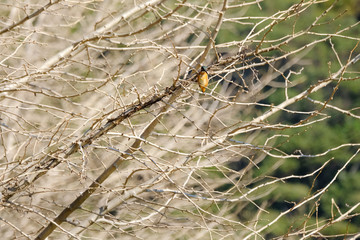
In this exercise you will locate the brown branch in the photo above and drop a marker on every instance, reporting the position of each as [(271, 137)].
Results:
[(50, 161), (34, 14)]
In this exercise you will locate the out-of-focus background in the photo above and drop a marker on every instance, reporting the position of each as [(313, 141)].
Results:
[(105, 134)]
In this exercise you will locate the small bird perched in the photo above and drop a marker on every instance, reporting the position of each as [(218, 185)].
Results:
[(203, 79)]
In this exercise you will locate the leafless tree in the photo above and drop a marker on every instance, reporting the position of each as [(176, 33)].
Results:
[(105, 133)]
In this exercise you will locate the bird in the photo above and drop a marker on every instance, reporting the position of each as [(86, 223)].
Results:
[(203, 79)]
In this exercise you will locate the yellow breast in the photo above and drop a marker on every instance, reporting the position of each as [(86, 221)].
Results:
[(203, 81)]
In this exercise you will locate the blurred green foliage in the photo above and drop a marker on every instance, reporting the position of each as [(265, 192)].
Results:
[(338, 129)]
